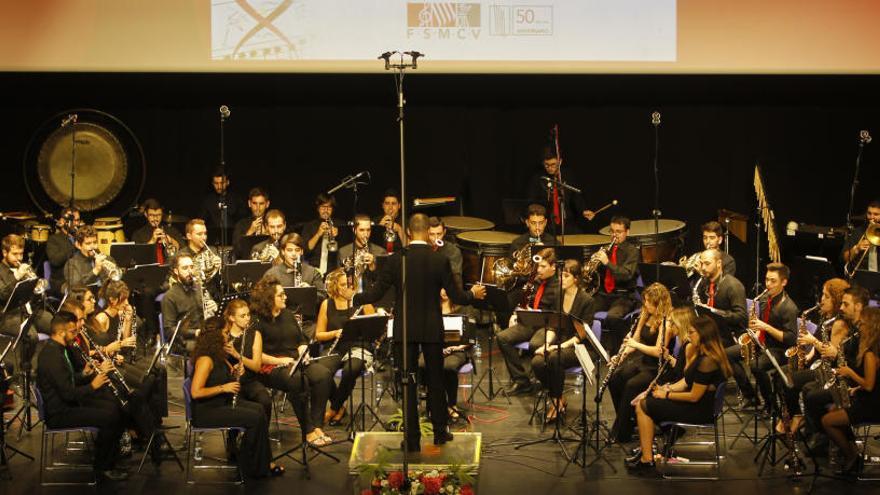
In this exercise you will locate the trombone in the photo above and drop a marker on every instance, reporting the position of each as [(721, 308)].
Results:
[(872, 234)]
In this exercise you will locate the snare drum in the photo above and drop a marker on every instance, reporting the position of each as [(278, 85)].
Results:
[(663, 245), (109, 231), (466, 224), (39, 233), (479, 250)]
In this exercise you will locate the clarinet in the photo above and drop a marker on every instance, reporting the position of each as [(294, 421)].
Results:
[(94, 364), (114, 373), (240, 364), (614, 363)]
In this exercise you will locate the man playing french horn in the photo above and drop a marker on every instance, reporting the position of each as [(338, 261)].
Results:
[(276, 226), (87, 266)]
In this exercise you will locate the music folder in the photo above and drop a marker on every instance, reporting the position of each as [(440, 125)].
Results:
[(21, 294), (304, 300), (129, 254), (364, 328)]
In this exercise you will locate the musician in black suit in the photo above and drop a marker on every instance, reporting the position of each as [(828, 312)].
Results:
[(724, 296), (546, 193), (61, 245), (618, 274), (426, 273)]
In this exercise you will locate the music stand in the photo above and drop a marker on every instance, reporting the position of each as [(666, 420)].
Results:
[(360, 330), (129, 254), (808, 274), (143, 277), (496, 302), (868, 280), (4, 459), (303, 300), (673, 277), (21, 296), (245, 272)]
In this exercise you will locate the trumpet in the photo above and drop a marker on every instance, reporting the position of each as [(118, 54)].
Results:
[(26, 272), (329, 238), (872, 234), (109, 268), (590, 269)]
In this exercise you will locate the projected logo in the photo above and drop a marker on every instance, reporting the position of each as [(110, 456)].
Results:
[(443, 20), (253, 30), (521, 20)]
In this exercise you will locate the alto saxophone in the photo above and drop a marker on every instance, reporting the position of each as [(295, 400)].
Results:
[(747, 345), (837, 385), (797, 354), (822, 366)]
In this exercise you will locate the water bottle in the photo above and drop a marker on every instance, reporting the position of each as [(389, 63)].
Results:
[(578, 383), (478, 353), (378, 390), (197, 450)]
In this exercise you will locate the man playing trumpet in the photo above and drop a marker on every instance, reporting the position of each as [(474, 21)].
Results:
[(87, 266)]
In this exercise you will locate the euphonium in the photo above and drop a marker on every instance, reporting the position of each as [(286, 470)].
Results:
[(798, 351)]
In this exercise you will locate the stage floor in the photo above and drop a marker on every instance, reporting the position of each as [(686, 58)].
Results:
[(503, 469)]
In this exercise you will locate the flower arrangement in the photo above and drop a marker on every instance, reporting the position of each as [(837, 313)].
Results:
[(452, 481)]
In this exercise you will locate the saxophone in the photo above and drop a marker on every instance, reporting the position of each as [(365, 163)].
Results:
[(836, 385), (799, 351), (821, 366), (356, 264), (747, 345)]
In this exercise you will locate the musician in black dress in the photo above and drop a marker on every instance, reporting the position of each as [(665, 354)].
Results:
[(212, 389), (618, 275), (284, 343), (641, 352), (860, 371), (692, 398), (549, 366)]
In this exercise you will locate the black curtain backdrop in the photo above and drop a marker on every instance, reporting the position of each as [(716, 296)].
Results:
[(480, 137)]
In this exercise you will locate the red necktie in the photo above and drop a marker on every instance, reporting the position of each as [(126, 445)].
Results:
[(765, 317), (538, 295), (609, 278), (160, 254), (711, 294), (556, 215)]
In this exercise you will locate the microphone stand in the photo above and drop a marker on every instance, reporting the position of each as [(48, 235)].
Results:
[(222, 205), (655, 121), (71, 121), (399, 73), (864, 138)]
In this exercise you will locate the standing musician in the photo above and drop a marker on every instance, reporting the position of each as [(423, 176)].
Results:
[(713, 237), (334, 312), (861, 371), (389, 233), (823, 346), (640, 357), (185, 299), (547, 194), (276, 226), (321, 234), (617, 281), (258, 202), (70, 399), (210, 209), (536, 222), (437, 236), (546, 290), (426, 273), (690, 399), (776, 324), (60, 246), (549, 366), (213, 386), (361, 254), (166, 239), (284, 343), (858, 243), (12, 271), (87, 266), (724, 297)]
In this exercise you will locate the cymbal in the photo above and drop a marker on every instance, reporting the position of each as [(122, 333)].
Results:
[(174, 218), (17, 215)]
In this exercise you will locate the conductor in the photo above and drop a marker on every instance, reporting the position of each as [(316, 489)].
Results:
[(427, 272)]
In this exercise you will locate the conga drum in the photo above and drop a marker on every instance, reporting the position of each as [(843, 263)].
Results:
[(479, 250), (109, 230), (663, 245)]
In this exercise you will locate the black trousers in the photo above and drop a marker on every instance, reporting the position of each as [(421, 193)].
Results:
[(145, 302), (629, 380), (254, 455), (351, 368), (254, 391), (433, 356), (451, 364), (550, 369), (816, 402), (310, 385), (799, 380), (762, 367), (519, 368), (734, 355), (617, 305), (97, 414)]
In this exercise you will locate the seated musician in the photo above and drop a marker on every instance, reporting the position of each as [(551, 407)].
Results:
[(284, 343), (618, 275), (536, 221), (724, 297), (389, 234), (832, 329), (70, 400), (348, 356), (546, 193), (253, 224), (690, 399), (184, 299), (167, 239), (87, 266), (12, 271), (713, 237), (437, 235), (320, 253), (549, 366), (276, 226), (775, 324), (861, 372), (213, 387), (361, 254), (60, 246), (638, 362), (854, 251), (206, 262), (541, 294)]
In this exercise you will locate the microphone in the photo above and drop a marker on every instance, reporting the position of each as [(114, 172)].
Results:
[(224, 112), (415, 58), (71, 119), (864, 136), (655, 118)]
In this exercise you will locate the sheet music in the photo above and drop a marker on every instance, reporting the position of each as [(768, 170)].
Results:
[(453, 324), (580, 350)]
